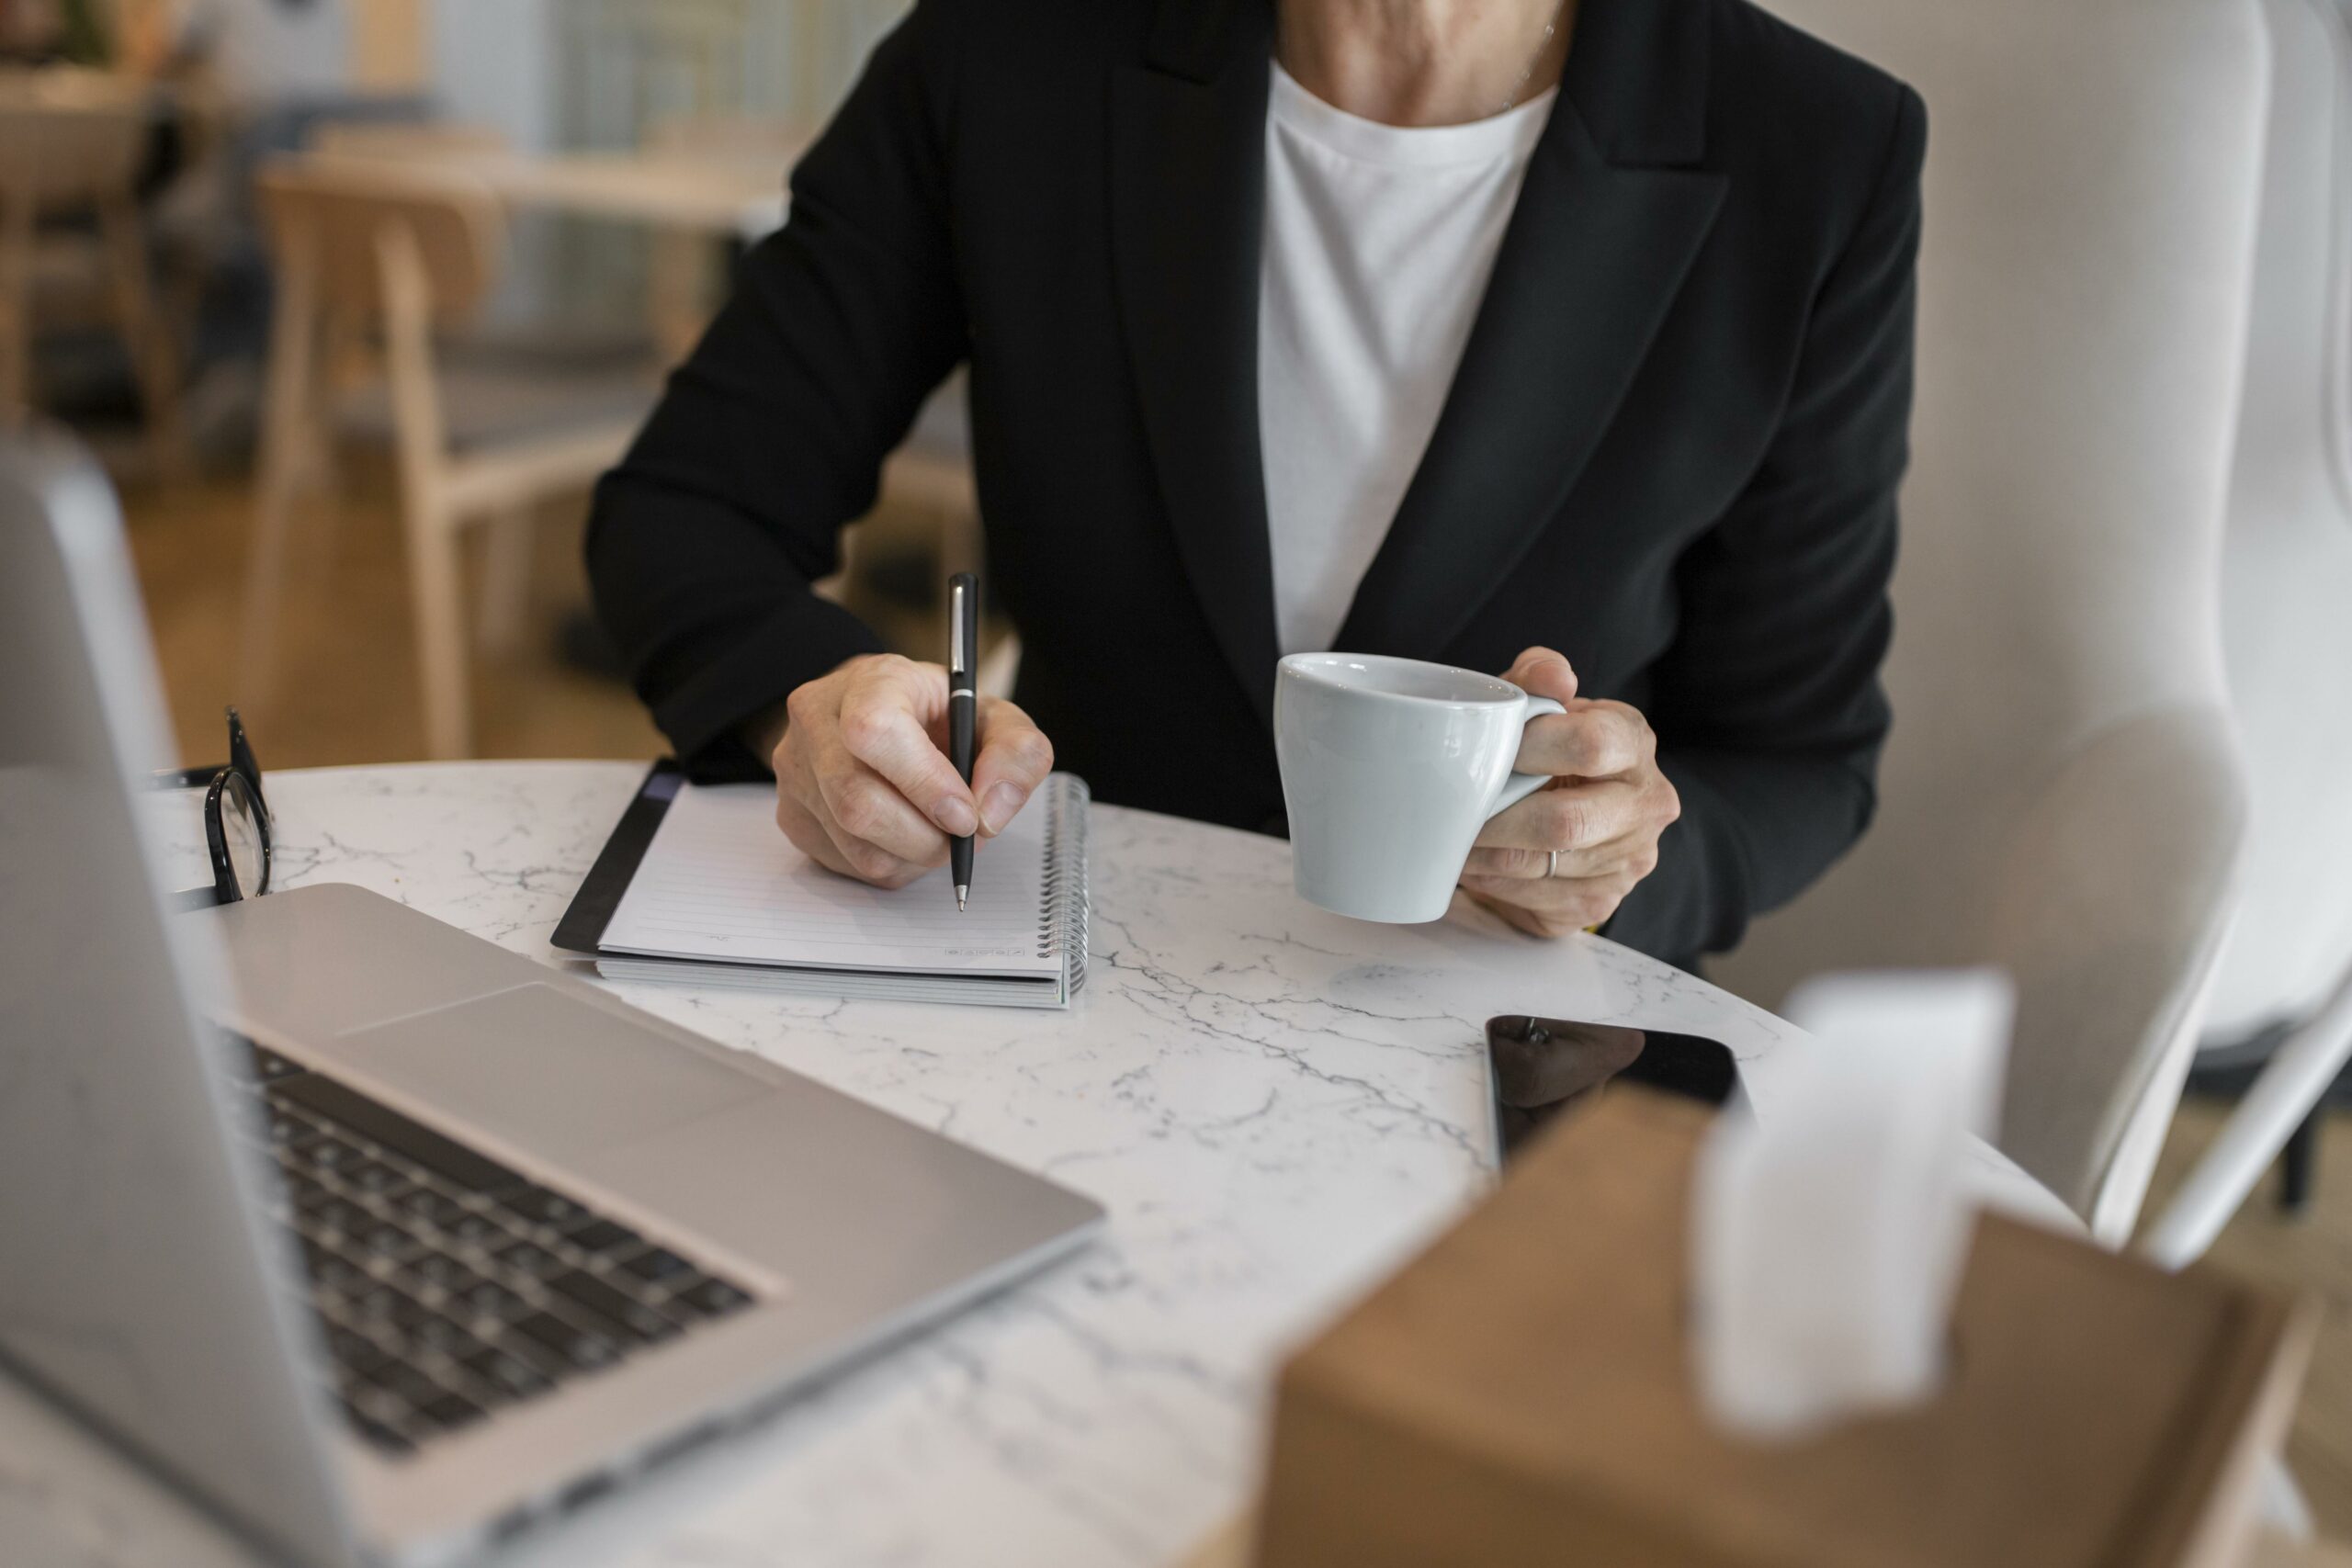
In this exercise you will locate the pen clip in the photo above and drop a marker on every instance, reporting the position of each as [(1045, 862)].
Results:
[(958, 607)]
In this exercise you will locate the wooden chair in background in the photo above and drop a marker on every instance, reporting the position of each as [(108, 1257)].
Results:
[(687, 271), (930, 474), (373, 262), (71, 141)]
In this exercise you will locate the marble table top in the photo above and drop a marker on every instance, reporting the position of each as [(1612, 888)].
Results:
[(1277, 1106)]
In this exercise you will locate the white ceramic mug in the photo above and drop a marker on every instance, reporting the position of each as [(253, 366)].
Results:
[(1390, 767)]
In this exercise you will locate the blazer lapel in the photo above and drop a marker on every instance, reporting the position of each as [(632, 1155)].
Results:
[(1187, 199), (1595, 250)]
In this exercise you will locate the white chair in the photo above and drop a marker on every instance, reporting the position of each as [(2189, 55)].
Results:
[(2287, 586), (370, 261), (2062, 796)]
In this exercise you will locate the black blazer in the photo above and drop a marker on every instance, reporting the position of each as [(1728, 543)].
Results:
[(1671, 450)]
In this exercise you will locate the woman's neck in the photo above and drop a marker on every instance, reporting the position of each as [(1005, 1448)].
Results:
[(1423, 61)]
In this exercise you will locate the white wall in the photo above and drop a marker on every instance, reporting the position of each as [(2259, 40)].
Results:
[(494, 64)]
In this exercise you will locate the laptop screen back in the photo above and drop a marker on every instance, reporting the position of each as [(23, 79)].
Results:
[(141, 1289)]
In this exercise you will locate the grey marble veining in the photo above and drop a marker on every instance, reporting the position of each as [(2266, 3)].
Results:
[(1276, 1105)]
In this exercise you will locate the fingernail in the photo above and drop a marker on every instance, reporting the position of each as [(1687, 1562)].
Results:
[(998, 807), (953, 814)]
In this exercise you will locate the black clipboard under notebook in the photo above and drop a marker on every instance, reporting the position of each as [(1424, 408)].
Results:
[(1049, 976), (581, 929)]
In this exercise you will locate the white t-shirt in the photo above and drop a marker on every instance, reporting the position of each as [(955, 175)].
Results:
[(1379, 240)]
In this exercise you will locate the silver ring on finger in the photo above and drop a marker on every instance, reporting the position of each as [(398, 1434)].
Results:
[(1552, 868)]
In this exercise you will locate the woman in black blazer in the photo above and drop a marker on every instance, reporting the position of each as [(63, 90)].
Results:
[(1670, 450)]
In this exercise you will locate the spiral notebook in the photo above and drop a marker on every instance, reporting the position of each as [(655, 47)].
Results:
[(698, 886)]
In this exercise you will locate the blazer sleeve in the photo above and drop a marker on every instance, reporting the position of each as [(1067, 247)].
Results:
[(703, 543), (1767, 708)]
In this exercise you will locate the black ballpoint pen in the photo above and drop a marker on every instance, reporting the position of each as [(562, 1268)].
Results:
[(963, 656)]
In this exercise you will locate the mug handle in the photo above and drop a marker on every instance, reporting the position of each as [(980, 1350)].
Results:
[(1519, 786)]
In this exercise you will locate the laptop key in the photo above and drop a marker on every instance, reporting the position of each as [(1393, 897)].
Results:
[(346, 1279), (470, 1229), (450, 1412), (355, 1354), (387, 1241), (533, 1260), (333, 1275), (317, 1190), (408, 1315), (300, 1188), (339, 1215), (490, 1300), (331, 1154), (444, 1337), (375, 1431), (658, 1265), (407, 1384), (375, 1179), (580, 1347), (710, 1297), (510, 1374), (377, 1403), (382, 1304), (441, 1271), (287, 1130), (588, 1292), (444, 1157), (435, 1208), (605, 1237), (268, 1066), (548, 1359), (542, 1207)]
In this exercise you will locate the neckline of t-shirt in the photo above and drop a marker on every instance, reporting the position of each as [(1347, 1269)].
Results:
[(1509, 135)]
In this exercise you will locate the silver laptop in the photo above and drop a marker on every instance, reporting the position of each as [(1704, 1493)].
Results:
[(383, 1241)]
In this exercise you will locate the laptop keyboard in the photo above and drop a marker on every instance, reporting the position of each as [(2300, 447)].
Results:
[(450, 1285)]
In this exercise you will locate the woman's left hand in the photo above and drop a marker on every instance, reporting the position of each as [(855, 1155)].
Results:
[(1602, 813)]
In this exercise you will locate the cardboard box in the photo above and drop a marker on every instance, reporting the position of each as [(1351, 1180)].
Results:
[(1521, 1394)]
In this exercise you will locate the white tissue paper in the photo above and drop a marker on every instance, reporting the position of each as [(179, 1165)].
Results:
[(1828, 1241)]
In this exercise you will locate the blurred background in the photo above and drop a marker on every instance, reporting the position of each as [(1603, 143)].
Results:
[(364, 529), (355, 297)]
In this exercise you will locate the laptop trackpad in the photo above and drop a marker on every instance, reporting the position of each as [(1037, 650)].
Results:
[(554, 1074)]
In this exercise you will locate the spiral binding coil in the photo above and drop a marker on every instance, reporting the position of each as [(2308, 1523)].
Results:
[(1061, 923)]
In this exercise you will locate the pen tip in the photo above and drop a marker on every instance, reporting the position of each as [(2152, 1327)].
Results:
[(962, 893)]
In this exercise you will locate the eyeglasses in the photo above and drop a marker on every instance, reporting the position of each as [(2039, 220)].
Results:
[(237, 822)]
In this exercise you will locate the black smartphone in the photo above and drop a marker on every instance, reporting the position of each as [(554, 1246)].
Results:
[(1537, 1068)]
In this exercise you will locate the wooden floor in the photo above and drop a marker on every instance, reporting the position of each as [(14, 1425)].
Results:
[(2311, 1254), (349, 691), (352, 697)]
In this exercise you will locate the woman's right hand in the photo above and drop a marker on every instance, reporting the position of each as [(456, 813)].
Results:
[(863, 782)]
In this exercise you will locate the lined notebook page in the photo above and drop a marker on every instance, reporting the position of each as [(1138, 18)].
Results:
[(720, 883)]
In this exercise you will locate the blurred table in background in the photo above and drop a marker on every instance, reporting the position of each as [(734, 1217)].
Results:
[(737, 199)]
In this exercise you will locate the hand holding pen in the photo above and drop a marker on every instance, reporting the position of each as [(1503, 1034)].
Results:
[(864, 785)]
